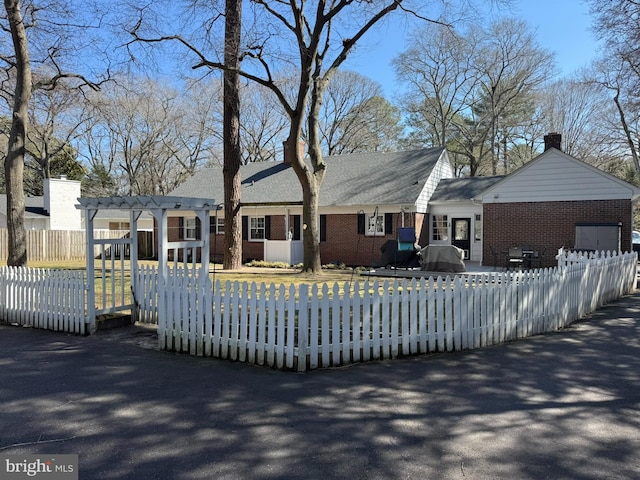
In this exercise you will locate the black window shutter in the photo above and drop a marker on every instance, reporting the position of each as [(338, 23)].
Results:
[(361, 224), (388, 223), (245, 227), (212, 224), (180, 228), (296, 227), (323, 228), (198, 229), (267, 227)]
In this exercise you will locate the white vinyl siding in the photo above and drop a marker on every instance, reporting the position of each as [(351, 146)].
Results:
[(557, 177), (441, 170)]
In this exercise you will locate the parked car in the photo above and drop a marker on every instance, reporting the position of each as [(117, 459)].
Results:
[(635, 240)]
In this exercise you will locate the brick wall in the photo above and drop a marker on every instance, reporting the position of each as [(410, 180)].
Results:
[(547, 225), (345, 245)]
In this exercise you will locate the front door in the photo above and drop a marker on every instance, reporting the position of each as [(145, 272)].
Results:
[(461, 234)]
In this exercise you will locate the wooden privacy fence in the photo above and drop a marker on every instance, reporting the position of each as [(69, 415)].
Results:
[(43, 298), (309, 327), (66, 245), (56, 245)]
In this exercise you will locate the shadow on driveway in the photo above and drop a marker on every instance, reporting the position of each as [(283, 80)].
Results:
[(561, 405)]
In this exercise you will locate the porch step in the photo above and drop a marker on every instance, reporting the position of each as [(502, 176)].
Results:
[(112, 320)]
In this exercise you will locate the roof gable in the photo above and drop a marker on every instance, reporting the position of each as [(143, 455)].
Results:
[(557, 176)]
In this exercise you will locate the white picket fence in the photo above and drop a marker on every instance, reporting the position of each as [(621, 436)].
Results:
[(43, 298), (305, 328)]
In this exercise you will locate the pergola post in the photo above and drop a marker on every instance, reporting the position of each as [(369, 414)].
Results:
[(133, 262), (90, 270), (163, 261)]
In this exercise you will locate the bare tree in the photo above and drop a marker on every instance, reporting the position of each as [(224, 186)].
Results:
[(616, 23), (578, 110), (264, 125), (471, 89), (372, 126), (615, 76), (319, 35), (356, 117), (148, 135), (440, 77), (14, 161), (51, 25), (55, 118)]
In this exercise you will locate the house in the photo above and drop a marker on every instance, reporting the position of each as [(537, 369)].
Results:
[(553, 201), (55, 210), (557, 201), (364, 199)]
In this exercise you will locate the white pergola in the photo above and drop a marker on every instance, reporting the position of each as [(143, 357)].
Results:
[(159, 206)]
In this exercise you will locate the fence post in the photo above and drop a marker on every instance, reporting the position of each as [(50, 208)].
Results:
[(303, 327)]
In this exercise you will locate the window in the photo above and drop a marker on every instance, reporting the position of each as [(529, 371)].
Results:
[(376, 225), (190, 228), (118, 225), (477, 228), (219, 225), (440, 227), (256, 228)]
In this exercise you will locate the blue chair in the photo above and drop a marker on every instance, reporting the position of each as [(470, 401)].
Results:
[(406, 238)]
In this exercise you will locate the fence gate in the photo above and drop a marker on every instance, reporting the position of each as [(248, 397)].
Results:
[(112, 273), (112, 276)]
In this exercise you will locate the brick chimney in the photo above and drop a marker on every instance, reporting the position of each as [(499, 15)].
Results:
[(553, 140)]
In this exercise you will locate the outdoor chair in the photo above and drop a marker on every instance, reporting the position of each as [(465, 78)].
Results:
[(536, 258), (516, 258)]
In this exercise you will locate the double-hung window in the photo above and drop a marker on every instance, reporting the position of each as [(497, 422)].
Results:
[(219, 224), (190, 228), (257, 228)]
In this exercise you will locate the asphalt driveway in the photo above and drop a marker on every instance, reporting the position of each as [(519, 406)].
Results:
[(563, 406)]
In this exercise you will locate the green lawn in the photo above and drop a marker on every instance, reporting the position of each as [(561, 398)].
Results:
[(259, 275)]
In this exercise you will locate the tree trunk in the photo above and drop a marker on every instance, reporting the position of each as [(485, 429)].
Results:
[(231, 134), (627, 132), (310, 183), (311, 228), (14, 161)]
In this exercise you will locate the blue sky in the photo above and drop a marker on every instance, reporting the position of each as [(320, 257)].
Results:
[(563, 27)]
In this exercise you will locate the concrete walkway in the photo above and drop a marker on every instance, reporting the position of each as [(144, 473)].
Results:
[(560, 406)]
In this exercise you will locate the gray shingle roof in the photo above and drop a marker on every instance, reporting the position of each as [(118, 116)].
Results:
[(355, 179), (34, 206), (462, 189)]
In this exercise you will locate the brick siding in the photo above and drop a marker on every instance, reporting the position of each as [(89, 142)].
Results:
[(548, 225), (345, 245)]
